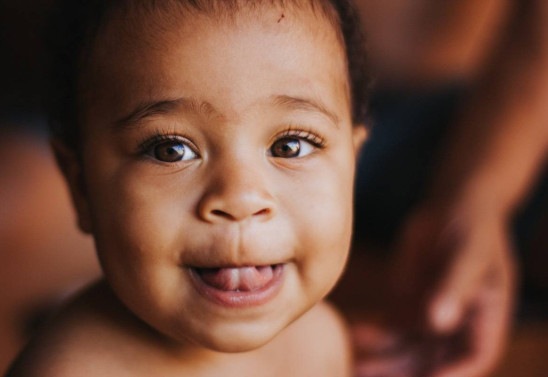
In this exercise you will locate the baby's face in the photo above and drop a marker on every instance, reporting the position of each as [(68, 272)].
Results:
[(218, 166)]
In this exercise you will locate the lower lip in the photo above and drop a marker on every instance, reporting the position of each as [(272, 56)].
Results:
[(240, 299)]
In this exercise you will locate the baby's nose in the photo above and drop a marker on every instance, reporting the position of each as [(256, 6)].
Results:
[(237, 193)]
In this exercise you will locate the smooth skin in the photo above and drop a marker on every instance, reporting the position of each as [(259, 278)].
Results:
[(210, 142)]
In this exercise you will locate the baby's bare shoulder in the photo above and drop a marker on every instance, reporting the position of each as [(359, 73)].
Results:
[(318, 343), (85, 339)]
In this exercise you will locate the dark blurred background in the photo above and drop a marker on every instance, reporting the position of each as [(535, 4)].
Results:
[(22, 25), (43, 258)]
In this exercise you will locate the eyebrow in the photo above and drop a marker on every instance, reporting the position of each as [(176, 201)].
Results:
[(151, 108), (306, 104)]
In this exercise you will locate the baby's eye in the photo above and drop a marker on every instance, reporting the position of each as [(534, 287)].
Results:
[(291, 147), (171, 150)]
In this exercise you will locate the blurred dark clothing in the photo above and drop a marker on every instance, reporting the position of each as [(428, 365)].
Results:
[(396, 163), (409, 130)]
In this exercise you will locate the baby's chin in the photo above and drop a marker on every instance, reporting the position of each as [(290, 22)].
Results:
[(238, 345), (238, 340), (243, 337)]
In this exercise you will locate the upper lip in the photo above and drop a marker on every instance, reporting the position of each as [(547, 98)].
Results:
[(235, 247)]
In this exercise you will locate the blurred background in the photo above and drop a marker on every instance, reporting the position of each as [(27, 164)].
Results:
[(425, 58), (43, 258)]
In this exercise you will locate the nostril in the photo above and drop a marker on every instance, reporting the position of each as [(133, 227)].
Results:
[(264, 211), (218, 212)]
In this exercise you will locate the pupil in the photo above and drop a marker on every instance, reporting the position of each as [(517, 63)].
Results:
[(170, 151), (287, 148)]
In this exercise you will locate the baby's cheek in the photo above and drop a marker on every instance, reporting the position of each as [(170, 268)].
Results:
[(134, 226), (324, 239)]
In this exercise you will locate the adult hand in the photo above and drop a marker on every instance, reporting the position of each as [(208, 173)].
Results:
[(447, 311), (454, 288), (454, 273)]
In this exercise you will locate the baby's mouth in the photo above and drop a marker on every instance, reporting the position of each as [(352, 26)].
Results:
[(238, 279)]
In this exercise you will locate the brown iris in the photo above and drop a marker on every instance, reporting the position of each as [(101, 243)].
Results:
[(286, 147), (170, 151)]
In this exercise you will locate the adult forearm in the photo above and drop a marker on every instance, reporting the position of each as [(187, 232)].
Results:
[(501, 139), (425, 42), (507, 161)]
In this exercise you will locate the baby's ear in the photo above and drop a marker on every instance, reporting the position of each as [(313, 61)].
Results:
[(359, 136), (71, 167)]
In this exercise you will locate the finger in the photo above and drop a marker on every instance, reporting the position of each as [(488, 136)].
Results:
[(399, 365), (489, 326), (464, 275), (372, 339), (481, 355)]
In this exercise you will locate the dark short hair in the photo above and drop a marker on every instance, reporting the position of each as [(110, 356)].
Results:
[(76, 23)]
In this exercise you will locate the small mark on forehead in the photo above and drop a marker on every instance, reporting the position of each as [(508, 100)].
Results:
[(282, 16)]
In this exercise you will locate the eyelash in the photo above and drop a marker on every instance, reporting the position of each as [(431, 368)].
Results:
[(160, 137), (304, 134)]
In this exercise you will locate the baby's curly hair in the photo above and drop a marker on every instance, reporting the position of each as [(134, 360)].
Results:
[(76, 24)]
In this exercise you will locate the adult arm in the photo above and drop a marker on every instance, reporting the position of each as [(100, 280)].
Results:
[(455, 249)]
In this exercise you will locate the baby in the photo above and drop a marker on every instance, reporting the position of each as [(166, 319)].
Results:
[(209, 147)]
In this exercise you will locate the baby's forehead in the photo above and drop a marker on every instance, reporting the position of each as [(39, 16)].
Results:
[(148, 23), (225, 9), (161, 16), (84, 33), (180, 51)]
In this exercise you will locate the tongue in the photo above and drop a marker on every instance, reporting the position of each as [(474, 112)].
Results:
[(237, 279)]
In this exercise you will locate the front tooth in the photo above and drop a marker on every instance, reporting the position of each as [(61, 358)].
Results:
[(234, 279)]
